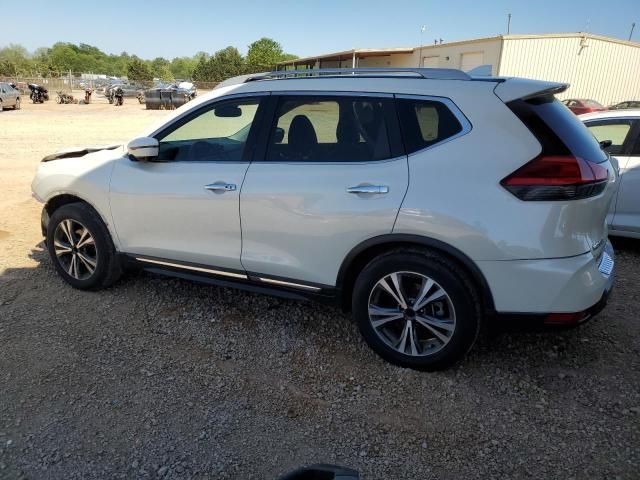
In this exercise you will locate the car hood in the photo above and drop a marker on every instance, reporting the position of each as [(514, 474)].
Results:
[(73, 152)]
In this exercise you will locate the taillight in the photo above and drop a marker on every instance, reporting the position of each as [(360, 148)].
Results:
[(548, 178)]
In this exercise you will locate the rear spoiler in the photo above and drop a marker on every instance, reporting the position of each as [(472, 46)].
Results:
[(524, 88)]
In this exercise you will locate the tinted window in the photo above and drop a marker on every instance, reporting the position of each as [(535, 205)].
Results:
[(217, 134), (425, 123), (614, 130), (557, 129), (330, 129)]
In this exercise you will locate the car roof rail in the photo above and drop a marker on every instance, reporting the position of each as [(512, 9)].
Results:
[(405, 72)]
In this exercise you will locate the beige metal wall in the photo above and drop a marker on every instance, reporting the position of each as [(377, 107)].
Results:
[(605, 71)]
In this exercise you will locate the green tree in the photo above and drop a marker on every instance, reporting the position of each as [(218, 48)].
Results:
[(182, 67), (264, 54), (138, 71), (225, 63), (14, 60)]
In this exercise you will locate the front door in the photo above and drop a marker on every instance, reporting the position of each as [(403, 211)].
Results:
[(185, 206), (332, 175)]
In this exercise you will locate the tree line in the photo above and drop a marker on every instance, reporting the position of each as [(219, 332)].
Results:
[(61, 58)]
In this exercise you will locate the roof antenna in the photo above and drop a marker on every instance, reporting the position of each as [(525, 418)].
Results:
[(508, 23), (633, 26)]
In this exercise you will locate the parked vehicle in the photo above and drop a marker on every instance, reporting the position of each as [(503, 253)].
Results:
[(128, 91), (619, 131), (625, 105), (63, 97), (169, 97), (9, 97), (38, 94), (422, 200), (580, 106)]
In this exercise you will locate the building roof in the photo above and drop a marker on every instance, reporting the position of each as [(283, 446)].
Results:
[(378, 52), (346, 54)]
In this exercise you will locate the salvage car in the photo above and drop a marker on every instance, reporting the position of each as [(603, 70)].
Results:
[(626, 105), (583, 105), (170, 96), (9, 97), (619, 132), (424, 201)]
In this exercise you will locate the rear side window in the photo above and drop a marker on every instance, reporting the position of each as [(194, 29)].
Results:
[(557, 129), (425, 123), (331, 129), (615, 130)]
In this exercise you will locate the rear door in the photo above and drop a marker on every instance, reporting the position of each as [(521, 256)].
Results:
[(623, 133), (331, 174)]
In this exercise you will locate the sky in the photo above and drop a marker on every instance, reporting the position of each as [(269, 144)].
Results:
[(304, 27)]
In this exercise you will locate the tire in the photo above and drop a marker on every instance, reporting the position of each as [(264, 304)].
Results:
[(17, 105), (106, 269), (1, 107), (452, 320)]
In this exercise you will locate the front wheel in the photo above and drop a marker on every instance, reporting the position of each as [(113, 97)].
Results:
[(416, 309), (17, 105), (80, 247)]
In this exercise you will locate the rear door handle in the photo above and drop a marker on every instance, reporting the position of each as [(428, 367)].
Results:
[(221, 187), (375, 189)]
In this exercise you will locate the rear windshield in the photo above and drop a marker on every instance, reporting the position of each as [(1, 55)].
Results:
[(557, 129)]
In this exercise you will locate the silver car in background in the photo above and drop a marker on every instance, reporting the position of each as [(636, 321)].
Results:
[(9, 97), (622, 128)]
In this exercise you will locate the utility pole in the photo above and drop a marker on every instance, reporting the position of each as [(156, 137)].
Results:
[(508, 23), (422, 30), (633, 26)]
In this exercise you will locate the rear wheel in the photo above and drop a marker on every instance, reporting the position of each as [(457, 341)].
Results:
[(416, 309), (81, 248)]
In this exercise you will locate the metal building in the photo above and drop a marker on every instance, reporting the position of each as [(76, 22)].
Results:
[(600, 68)]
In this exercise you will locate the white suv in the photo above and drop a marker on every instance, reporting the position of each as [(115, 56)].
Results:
[(423, 200)]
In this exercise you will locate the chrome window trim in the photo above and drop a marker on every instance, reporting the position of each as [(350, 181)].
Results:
[(345, 163), (329, 93), (453, 108)]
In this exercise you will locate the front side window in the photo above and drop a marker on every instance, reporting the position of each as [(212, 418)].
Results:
[(425, 123), (219, 133), (614, 130), (330, 129)]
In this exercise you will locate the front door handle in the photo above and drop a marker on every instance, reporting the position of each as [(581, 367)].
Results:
[(375, 189), (221, 187)]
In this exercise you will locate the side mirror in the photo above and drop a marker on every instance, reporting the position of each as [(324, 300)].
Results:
[(143, 148)]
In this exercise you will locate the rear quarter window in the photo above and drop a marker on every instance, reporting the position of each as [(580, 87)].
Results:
[(425, 123), (557, 129)]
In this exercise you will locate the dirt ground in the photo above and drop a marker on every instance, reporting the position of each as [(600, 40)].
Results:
[(163, 378)]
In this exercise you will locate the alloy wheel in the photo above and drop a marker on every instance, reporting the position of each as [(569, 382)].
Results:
[(75, 249), (411, 313)]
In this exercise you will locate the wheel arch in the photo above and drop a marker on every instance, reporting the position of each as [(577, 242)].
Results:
[(363, 253), (58, 200)]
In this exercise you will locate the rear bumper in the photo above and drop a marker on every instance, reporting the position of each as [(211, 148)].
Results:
[(562, 291)]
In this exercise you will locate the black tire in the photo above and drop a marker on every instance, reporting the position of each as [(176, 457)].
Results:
[(450, 277), (17, 105), (108, 268), (1, 107)]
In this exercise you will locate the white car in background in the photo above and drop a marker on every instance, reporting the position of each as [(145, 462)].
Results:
[(423, 200), (622, 129)]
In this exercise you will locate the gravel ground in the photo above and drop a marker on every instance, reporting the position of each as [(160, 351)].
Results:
[(162, 378)]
